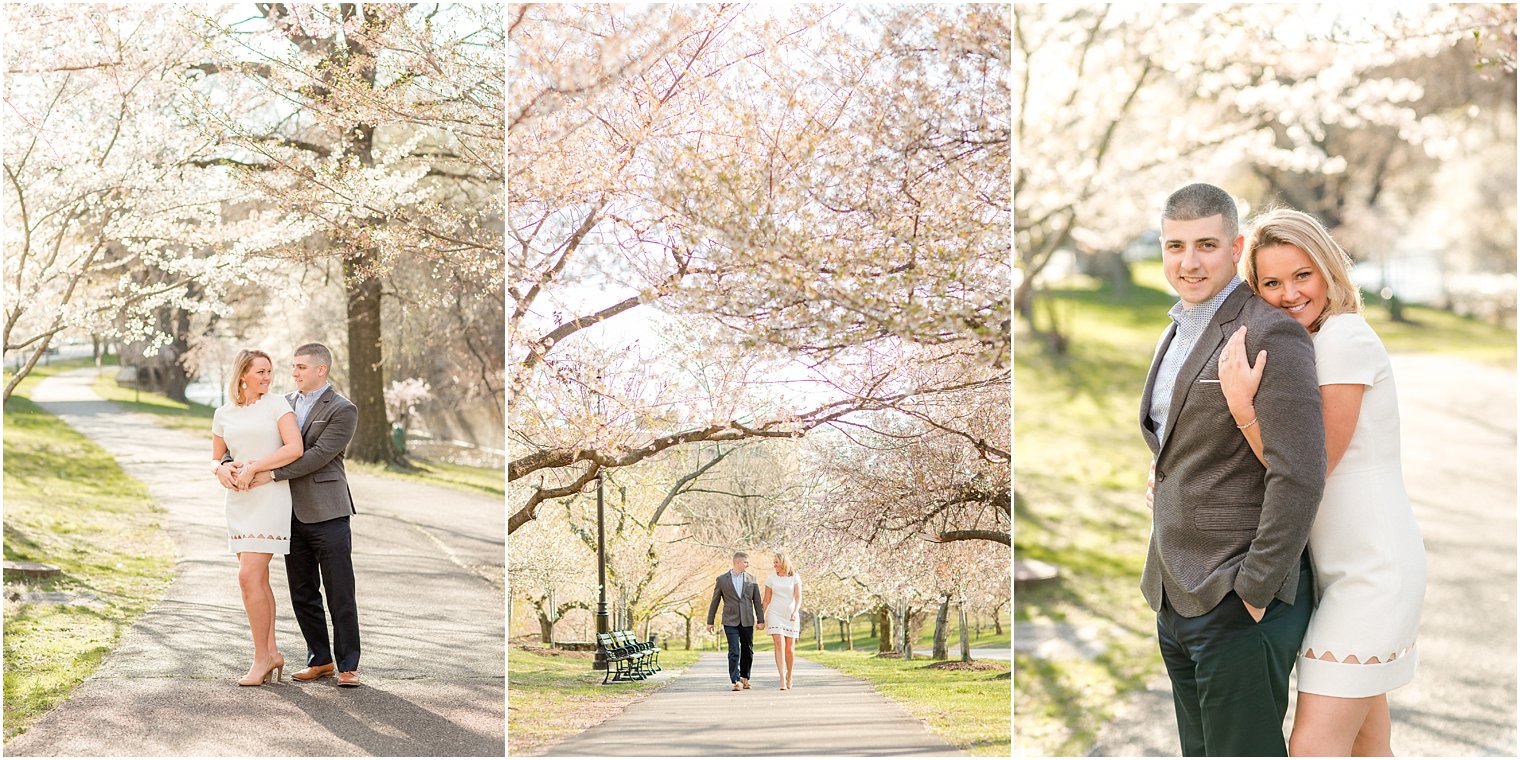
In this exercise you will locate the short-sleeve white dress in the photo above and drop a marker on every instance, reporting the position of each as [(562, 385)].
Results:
[(778, 614), (258, 520), (1368, 554)]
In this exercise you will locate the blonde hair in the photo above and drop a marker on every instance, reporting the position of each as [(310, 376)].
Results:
[(1286, 226), (240, 367), (786, 563)]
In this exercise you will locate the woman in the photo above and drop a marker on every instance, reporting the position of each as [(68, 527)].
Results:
[(259, 429), (1369, 558), (782, 601)]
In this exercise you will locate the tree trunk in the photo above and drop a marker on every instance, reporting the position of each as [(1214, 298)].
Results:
[(1023, 299), (997, 618), (175, 379), (884, 624), (873, 626), (366, 382), (818, 633), (688, 633), (846, 637), (907, 637), (965, 642), (941, 634), (546, 628)]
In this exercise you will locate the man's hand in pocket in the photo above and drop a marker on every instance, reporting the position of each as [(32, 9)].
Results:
[(1256, 612)]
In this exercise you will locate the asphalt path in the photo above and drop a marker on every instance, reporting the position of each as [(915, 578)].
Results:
[(698, 714), (428, 567)]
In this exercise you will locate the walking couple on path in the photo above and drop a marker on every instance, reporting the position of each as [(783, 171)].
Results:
[(780, 606), (1281, 533), (281, 460)]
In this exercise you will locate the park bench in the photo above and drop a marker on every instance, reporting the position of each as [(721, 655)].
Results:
[(624, 663), (650, 651)]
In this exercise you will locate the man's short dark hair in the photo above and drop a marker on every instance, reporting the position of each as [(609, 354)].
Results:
[(1201, 200), (316, 351), (740, 555)]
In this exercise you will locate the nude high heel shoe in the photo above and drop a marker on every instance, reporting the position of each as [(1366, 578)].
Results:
[(276, 668)]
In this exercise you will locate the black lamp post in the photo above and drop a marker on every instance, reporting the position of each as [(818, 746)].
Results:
[(603, 624)]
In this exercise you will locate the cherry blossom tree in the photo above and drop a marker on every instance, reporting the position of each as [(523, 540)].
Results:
[(1111, 113), (376, 131), (402, 398), (800, 194), (549, 567), (937, 467), (163, 161), (105, 226)]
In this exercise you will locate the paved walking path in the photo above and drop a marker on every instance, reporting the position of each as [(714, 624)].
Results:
[(1458, 434), (697, 715), (428, 565)]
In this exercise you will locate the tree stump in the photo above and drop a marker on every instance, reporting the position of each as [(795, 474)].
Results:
[(1032, 573), (29, 571)]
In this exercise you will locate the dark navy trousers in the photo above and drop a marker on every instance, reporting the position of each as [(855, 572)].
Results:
[(741, 650)]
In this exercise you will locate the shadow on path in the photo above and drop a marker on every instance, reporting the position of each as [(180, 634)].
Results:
[(698, 715)]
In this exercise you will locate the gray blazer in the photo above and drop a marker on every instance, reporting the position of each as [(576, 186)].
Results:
[(736, 610), (318, 482), (1222, 521)]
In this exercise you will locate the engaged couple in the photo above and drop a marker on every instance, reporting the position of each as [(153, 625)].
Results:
[(1281, 534), (780, 606), (281, 460)]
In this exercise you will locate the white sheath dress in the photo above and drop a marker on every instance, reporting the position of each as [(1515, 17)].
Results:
[(258, 520), (778, 614), (1368, 554)]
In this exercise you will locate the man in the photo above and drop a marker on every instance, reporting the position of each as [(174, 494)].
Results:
[(321, 545), (740, 594), (1227, 572)]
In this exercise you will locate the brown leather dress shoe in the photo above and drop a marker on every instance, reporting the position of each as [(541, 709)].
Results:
[(313, 672), (745, 681), (348, 678), (737, 687)]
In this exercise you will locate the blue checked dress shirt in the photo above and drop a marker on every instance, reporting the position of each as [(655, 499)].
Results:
[(1190, 326), (306, 401)]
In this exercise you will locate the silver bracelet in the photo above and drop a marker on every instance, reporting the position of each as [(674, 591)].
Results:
[(1248, 424)]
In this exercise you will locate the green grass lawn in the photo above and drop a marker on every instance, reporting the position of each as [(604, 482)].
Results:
[(196, 419), (184, 416), (554, 694), (1079, 495), (968, 708), (1079, 504), (68, 504), (488, 480), (1442, 332)]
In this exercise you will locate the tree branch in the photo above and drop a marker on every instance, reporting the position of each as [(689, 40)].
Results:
[(529, 511), (995, 536)]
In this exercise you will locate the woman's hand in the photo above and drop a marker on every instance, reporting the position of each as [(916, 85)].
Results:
[(1238, 379), (1150, 488), (245, 476), (793, 618), (226, 476)]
